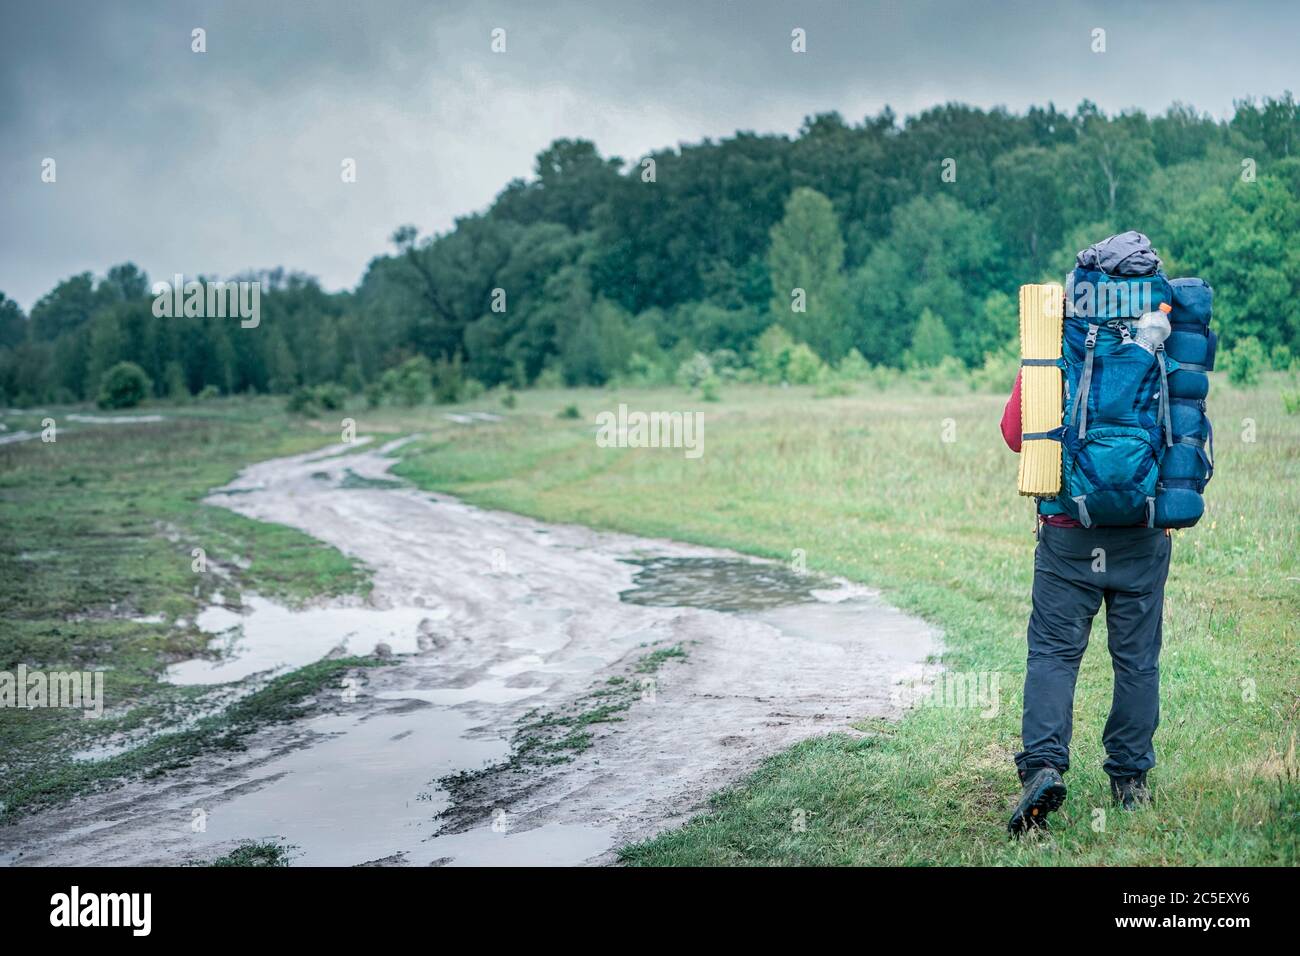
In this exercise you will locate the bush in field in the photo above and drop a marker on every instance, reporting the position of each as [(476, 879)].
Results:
[(804, 367), (306, 400), (509, 400), (998, 373), (948, 377), (1245, 362), (207, 393), (331, 397), (1291, 402), (853, 367), (449, 382), (1281, 358), (409, 383), (709, 389), (569, 411), (727, 365), (695, 370), (125, 385), (772, 355), (931, 341)]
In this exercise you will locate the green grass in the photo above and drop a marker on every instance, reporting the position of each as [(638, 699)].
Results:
[(867, 488), (99, 527), (264, 854)]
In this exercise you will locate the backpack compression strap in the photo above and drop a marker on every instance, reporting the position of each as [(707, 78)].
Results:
[(1080, 406), (1164, 395)]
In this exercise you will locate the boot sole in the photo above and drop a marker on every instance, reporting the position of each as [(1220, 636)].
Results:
[(1046, 801)]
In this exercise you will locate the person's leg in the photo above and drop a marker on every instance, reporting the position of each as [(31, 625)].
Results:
[(1134, 604), (1066, 596)]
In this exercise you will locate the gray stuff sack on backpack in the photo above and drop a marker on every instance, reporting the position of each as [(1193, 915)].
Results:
[(1127, 254)]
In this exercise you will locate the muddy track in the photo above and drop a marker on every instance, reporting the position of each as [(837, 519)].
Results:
[(478, 745)]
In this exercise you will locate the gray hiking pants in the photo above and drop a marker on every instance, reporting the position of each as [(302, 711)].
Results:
[(1075, 569)]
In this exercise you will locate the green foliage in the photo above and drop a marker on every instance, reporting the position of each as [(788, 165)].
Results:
[(305, 400), (1246, 361), (695, 370), (804, 367), (125, 385), (1291, 402), (611, 279), (805, 261), (569, 412), (931, 341), (410, 383)]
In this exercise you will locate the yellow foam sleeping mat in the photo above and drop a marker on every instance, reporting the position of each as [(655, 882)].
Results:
[(1041, 316)]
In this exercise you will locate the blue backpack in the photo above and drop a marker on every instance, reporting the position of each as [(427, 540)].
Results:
[(1136, 445)]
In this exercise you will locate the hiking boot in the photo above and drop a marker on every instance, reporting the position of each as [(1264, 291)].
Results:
[(1044, 792), (1130, 792)]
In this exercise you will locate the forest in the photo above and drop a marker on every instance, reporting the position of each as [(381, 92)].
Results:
[(895, 242)]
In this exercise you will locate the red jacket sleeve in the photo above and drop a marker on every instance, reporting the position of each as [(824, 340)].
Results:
[(1011, 418)]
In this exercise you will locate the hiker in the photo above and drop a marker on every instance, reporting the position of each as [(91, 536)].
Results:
[(1075, 570), (1136, 453)]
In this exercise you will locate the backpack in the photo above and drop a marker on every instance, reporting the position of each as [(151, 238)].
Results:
[(1117, 411)]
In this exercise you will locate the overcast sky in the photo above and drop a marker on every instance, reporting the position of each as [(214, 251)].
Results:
[(227, 160)]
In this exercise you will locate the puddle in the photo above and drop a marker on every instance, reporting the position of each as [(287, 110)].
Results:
[(719, 584), (360, 794), (270, 637), (552, 844), (115, 419)]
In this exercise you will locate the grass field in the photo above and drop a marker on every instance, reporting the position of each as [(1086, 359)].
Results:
[(869, 489), (903, 489)]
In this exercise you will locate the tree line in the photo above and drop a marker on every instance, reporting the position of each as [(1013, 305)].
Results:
[(890, 241)]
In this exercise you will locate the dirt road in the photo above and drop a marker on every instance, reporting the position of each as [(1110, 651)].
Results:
[(498, 623)]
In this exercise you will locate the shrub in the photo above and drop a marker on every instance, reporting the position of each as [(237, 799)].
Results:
[(1245, 361), (509, 400), (853, 367), (998, 373), (409, 383), (207, 393), (1280, 358), (125, 385), (306, 400), (709, 389), (804, 367), (695, 370), (448, 380), (1291, 402), (569, 411)]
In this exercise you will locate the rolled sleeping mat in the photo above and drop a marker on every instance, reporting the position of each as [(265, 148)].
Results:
[(1041, 318), (1177, 506), (1189, 457)]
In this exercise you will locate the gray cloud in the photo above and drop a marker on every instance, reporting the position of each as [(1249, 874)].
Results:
[(230, 160)]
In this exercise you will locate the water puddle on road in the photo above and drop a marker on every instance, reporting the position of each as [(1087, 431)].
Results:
[(268, 637), (360, 794), (719, 584)]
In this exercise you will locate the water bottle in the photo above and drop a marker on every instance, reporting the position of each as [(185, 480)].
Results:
[(1153, 328)]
